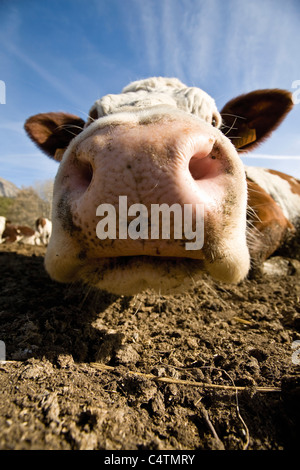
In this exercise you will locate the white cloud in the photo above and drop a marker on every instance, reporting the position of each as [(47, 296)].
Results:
[(148, 26), (274, 157), (23, 169), (285, 164), (249, 42), (15, 126), (59, 86)]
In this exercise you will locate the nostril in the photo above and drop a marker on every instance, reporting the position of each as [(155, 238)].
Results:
[(201, 155), (83, 174), (87, 172), (200, 167)]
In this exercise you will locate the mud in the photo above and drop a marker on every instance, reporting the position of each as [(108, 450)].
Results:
[(212, 369)]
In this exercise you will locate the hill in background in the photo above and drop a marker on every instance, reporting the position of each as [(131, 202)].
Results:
[(8, 189), (23, 206)]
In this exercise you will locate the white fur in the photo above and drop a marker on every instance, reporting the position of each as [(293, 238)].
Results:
[(44, 232), (279, 189), (31, 240), (2, 227), (159, 91)]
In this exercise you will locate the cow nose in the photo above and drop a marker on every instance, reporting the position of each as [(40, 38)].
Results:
[(110, 162), (151, 164), (136, 172)]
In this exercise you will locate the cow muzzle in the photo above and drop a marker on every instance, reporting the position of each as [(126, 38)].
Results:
[(150, 188)]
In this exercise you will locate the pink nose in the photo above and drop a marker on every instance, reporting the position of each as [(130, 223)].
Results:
[(148, 160), (128, 165), (131, 160), (154, 164), (123, 165)]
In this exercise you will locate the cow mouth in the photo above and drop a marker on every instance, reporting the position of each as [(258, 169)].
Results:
[(133, 274)]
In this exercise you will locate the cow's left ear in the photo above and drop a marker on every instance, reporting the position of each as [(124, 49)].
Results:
[(251, 118), (52, 132)]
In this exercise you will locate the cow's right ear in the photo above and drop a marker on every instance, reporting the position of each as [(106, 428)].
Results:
[(52, 132), (250, 118)]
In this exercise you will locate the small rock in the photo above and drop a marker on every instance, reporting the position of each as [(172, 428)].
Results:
[(277, 266), (65, 360), (127, 354)]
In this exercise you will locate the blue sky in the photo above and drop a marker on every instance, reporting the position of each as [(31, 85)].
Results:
[(64, 54)]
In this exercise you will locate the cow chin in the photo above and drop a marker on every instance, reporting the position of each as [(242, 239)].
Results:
[(134, 274), (129, 275)]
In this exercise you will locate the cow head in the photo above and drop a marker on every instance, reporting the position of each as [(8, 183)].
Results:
[(158, 143)]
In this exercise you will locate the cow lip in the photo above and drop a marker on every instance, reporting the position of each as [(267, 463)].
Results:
[(129, 258), (121, 263), (96, 272), (140, 273)]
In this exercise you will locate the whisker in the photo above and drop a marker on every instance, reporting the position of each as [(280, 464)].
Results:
[(234, 115), (232, 127), (67, 128)]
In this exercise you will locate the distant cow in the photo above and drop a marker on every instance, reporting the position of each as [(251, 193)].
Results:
[(11, 234), (44, 228), (2, 227), (273, 212), (160, 144), (21, 234)]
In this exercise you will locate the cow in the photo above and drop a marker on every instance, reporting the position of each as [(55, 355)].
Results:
[(2, 227), (20, 234), (44, 227), (11, 233), (162, 144), (28, 236)]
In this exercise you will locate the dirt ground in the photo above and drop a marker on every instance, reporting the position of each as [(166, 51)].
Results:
[(212, 369)]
